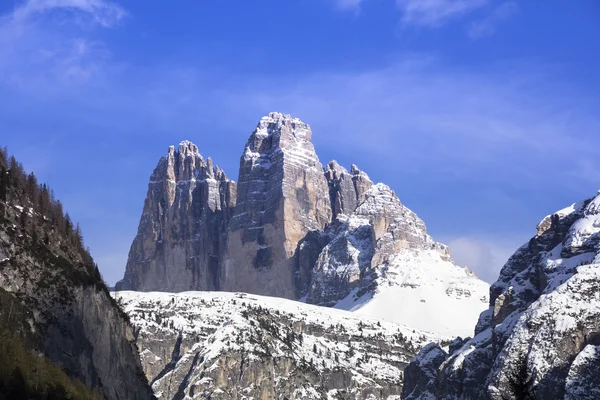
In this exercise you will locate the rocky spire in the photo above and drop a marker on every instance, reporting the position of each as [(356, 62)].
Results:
[(181, 235), (282, 196), (346, 190)]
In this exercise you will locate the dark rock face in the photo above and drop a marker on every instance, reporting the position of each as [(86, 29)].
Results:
[(343, 262), (378, 228), (70, 314), (346, 190), (182, 233), (540, 335), (282, 196), (420, 374)]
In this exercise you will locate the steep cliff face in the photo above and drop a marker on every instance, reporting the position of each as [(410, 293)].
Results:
[(291, 228), (539, 337), (70, 317), (282, 196), (182, 233), (216, 345), (346, 189)]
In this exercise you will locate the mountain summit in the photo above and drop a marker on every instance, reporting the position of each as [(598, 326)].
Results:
[(294, 229)]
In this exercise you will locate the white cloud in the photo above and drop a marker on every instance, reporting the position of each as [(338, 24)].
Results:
[(36, 55), (102, 12), (484, 256), (487, 26), (432, 13)]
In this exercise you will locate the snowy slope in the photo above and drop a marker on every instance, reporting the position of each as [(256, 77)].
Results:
[(382, 263), (539, 337), (420, 289), (217, 344)]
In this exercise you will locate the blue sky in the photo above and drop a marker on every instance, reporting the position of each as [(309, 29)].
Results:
[(481, 114)]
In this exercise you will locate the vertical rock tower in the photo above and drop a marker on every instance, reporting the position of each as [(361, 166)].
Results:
[(282, 196), (181, 236)]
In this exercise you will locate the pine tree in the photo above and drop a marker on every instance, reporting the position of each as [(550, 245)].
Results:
[(4, 157), (23, 219), (3, 184), (520, 381), (17, 387)]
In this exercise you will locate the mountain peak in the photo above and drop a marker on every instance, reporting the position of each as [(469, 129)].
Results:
[(276, 124)]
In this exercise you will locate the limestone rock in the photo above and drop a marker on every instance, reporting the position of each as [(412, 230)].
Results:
[(182, 233), (421, 372), (218, 345), (346, 190), (69, 316), (282, 196), (538, 339)]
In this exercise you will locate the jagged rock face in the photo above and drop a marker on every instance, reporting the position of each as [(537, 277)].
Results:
[(380, 256), (346, 190), (538, 339), (182, 233), (72, 317), (229, 346), (379, 227), (282, 197), (420, 374), (297, 231), (343, 262)]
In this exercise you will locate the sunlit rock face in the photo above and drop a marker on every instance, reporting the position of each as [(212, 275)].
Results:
[(282, 197), (539, 338), (291, 228), (182, 231), (218, 345)]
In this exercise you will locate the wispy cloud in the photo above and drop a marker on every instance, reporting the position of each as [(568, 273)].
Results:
[(101, 12), (414, 123), (483, 255), (437, 13), (487, 26), (433, 13), (37, 54)]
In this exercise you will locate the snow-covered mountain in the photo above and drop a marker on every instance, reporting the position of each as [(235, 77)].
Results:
[(540, 337), (382, 263), (291, 228), (219, 345)]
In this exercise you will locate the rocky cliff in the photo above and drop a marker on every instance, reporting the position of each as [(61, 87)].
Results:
[(217, 345), (381, 262), (291, 228), (68, 314), (282, 196), (539, 338), (182, 232)]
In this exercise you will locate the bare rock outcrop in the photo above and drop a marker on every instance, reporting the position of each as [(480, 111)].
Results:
[(346, 189), (282, 196), (182, 233), (217, 345), (540, 335)]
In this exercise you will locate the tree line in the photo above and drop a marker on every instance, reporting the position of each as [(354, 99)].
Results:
[(40, 208)]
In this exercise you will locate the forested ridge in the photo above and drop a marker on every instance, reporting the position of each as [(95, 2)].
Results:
[(37, 222)]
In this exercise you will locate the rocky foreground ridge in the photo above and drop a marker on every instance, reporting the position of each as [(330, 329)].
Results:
[(291, 228), (218, 345), (540, 337), (55, 311)]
